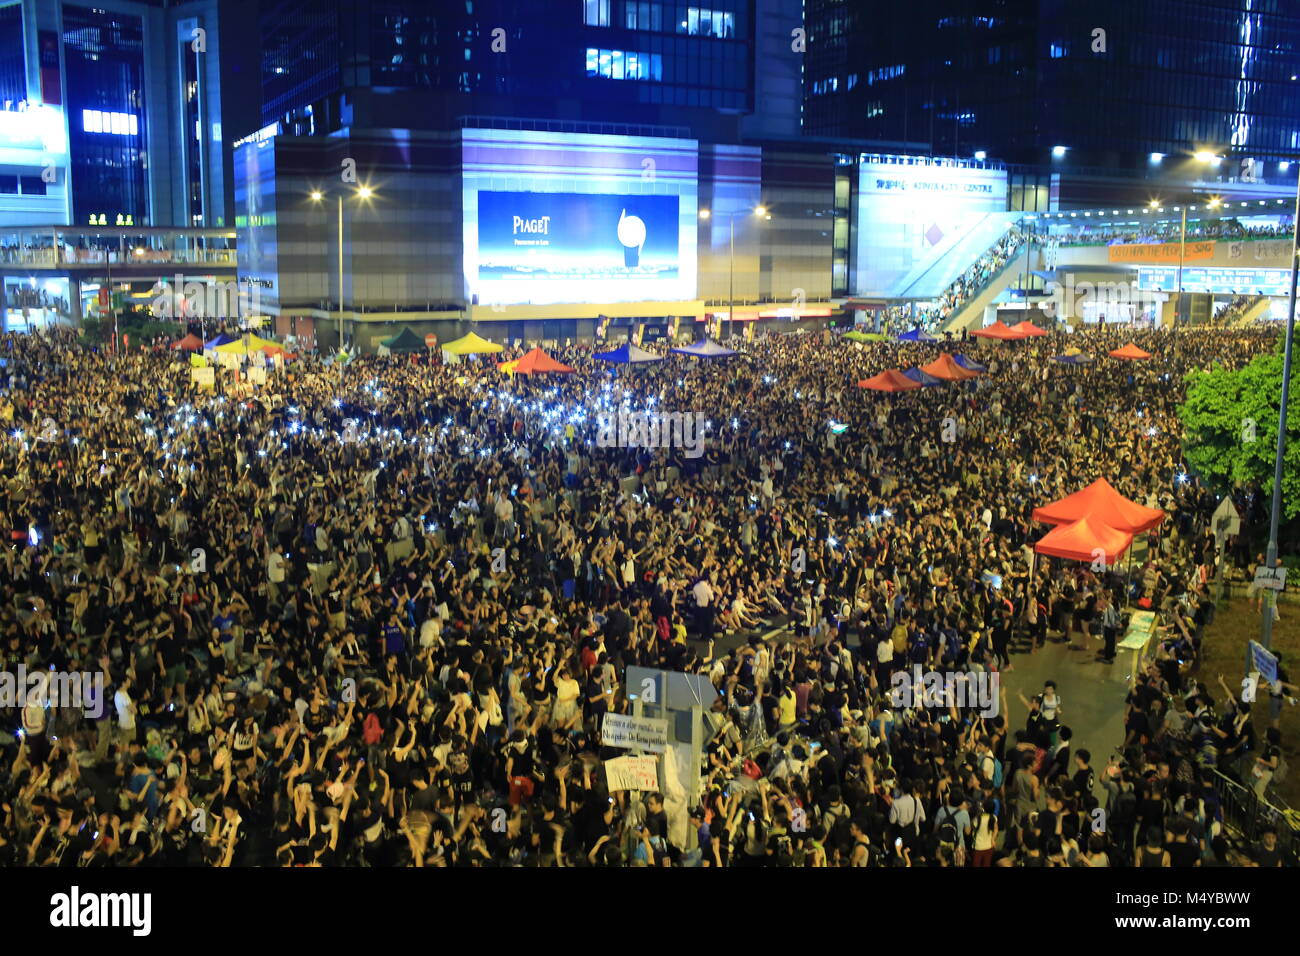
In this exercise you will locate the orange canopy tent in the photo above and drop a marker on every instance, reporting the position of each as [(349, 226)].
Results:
[(534, 362), (890, 380), (1129, 351), (1028, 328), (1084, 540), (999, 330), (1101, 502), (191, 343), (945, 367)]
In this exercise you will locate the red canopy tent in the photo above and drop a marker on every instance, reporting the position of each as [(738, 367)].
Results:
[(1101, 502), (1028, 328), (1082, 540), (1129, 351), (537, 361), (999, 330), (945, 367), (191, 343), (890, 380)]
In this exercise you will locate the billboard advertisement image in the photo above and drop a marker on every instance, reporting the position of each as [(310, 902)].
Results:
[(576, 236)]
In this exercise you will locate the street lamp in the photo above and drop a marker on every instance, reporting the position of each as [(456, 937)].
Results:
[(759, 211), (317, 196)]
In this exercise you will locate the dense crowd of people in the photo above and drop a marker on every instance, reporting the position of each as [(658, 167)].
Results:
[(979, 272), (1234, 309), (1166, 231), (375, 614)]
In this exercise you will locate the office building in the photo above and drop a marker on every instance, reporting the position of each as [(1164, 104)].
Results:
[(1138, 89)]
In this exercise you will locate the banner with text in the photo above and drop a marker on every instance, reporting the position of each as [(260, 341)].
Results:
[(1161, 252), (632, 773), (635, 733)]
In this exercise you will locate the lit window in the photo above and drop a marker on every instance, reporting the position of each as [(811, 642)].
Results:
[(595, 13), (91, 121)]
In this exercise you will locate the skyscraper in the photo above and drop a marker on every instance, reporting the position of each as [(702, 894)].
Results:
[(123, 109), (1109, 83)]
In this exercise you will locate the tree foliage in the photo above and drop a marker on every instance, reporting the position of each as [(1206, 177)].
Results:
[(1230, 428)]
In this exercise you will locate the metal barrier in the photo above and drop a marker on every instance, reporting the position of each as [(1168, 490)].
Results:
[(1248, 816)]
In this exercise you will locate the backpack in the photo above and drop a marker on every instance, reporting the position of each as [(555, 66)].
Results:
[(371, 731), (997, 773), (1279, 774), (1125, 810), (946, 830)]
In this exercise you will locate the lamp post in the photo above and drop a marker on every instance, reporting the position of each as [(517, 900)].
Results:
[(1182, 250), (1270, 555), (362, 193), (731, 255)]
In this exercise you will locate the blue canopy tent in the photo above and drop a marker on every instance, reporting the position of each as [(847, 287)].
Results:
[(628, 354), (925, 378), (1077, 359), (705, 348), (969, 365), (222, 339), (916, 335)]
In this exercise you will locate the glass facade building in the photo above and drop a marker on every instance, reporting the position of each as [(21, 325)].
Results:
[(1112, 81), (104, 60), (634, 61), (13, 76)]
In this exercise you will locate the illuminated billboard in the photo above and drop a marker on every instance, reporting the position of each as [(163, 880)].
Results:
[(1221, 281), (921, 221), (554, 218), (35, 129), (563, 236)]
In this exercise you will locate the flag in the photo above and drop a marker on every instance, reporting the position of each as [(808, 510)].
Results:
[(749, 331), (602, 327), (198, 361), (640, 334), (674, 327)]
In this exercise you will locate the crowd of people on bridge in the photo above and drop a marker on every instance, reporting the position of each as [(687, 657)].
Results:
[(1172, 230), (376, 613)]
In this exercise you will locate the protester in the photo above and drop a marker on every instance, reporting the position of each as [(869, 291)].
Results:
[(374, 614)]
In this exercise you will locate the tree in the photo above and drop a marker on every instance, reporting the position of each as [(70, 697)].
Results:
[(1230, 428)]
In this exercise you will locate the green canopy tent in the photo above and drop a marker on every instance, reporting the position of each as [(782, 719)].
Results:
[(404, 341), (856, 336)]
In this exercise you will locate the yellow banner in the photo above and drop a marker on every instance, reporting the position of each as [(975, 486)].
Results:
[(1164, 252)]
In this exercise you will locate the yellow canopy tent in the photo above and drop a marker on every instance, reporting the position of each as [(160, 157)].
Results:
[(248, 343), (471, 345)]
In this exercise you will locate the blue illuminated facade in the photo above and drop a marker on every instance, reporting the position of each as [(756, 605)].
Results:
[(103, 61), (329, 64), (147, 96), (1113, 81)]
